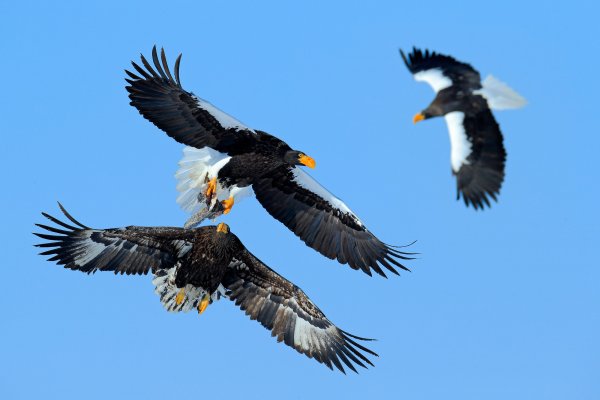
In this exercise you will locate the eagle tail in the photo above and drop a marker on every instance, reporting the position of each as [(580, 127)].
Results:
[(193, 176), (499, 95), (196, 169), (167, 290)]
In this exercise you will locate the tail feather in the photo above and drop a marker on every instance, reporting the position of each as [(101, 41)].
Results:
[(165, 287), (499, 95), (195, 169)]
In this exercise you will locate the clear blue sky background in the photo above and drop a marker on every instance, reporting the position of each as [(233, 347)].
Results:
[(502, 304)]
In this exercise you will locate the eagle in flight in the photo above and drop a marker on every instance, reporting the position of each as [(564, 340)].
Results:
[(194, 267), (225, 159), (477, 151)]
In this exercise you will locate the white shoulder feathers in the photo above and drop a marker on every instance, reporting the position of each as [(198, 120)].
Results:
[(226, 120), (306, 181), (435, 78)]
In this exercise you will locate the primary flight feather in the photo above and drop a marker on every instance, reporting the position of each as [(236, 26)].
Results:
[(194, 267), (226, 160)]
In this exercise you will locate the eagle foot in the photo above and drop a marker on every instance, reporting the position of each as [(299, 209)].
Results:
[(202, 304), (227, 205), (180, 296), (211, 189)]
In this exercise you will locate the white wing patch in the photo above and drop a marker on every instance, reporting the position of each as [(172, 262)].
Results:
[(307, 182), (181, 246), (226, 120), (87, 249), (499, 95), (435, 78), (307, 336), (460, 146)]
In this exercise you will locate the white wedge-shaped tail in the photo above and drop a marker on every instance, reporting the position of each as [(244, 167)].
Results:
[(499, 95), (196, 168)]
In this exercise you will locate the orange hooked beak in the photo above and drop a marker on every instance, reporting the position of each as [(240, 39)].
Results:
[(223, 228), (306, 160), (418, 117)]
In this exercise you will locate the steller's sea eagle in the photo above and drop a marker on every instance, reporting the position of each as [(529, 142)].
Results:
[(194, 267), (477, 152), (225, 160)]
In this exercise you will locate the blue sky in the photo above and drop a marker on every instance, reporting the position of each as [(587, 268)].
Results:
[(501, 304)]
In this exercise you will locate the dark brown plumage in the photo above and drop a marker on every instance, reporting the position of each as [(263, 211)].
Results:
[(193, 267)]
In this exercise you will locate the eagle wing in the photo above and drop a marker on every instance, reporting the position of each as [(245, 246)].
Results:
[(188, 119), (130, 250), (290, 315), (477, 153), (323, 221), (440, 71)]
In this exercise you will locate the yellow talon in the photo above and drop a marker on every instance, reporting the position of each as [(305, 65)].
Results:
[(203, 304), (180, 296), (211, 189), (227, 204)]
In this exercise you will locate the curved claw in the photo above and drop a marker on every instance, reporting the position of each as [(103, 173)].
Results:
[(211, 188), (203, 303), (180, 296), (227, 205)]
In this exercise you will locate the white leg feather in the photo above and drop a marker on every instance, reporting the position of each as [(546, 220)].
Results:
[(164, 282)]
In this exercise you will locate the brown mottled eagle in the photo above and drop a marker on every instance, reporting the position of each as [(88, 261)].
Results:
[(226, 159), (194, 267), (477, 150)]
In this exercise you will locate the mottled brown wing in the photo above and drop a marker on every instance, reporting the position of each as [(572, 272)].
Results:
[(290, 315), (130, 250)]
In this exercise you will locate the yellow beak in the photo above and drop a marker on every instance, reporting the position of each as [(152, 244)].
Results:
[(306, 160), (223, 228), (418, 117)]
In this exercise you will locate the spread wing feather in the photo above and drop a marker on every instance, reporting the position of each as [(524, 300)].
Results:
[(482, 176), (130, 250), (324, 222), (460, 73), (284, 309), (186, 118)]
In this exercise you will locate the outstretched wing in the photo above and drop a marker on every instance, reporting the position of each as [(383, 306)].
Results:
[(130, 250), (186, 118), (323, 221), (477, 154), (440, 71), (288, 313)]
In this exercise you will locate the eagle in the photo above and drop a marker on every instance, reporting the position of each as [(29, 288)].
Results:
[(226, 160), (194, 267), (477, 152)]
